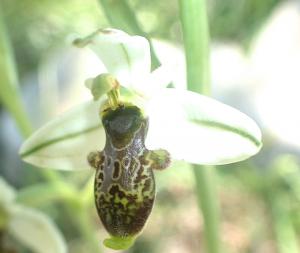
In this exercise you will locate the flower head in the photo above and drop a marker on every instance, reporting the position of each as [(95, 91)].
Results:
[(190, 126), (187, 125)]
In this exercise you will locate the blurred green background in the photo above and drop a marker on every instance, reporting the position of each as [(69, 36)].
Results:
[(254, 57)]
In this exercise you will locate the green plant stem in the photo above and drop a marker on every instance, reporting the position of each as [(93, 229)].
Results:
[(207, 198), (121, 16), (9, 92), (278, 204), (196, 41)]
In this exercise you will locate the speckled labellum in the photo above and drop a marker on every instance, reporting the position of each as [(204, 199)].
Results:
[(124, 182)]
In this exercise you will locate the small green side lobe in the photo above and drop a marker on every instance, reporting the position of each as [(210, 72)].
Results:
[(119, 243)]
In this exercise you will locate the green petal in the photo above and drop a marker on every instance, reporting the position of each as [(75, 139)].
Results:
[(199, 129), (65, 142), (125, 57), (36, 231)]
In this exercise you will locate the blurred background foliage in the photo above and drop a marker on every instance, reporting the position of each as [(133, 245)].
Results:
[(35, 26), (259, 198)]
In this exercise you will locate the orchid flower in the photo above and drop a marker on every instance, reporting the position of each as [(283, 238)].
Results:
[(183, 125), (30, 227)]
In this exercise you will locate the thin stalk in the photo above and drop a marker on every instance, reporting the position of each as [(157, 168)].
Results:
[(208, 201), (196, 41), (9, 92), (114, 97), (285, 234), (121, 16)]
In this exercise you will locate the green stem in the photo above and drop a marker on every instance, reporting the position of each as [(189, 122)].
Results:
[(9, 92), (286, 237), (196, 41), (121, 16), (114, 97), (208, 201)]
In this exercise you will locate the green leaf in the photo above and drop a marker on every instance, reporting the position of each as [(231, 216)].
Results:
[(35, 230), (199, 129), (65, 142)]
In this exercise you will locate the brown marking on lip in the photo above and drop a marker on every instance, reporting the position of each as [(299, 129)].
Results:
[(109, 160), (116, 170), (147, 185), (126, 162)]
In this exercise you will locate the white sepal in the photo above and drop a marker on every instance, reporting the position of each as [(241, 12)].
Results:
[(199, 129), (65, 142)]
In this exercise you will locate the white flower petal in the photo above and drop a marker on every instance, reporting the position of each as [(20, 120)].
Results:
[(36, 231), (65, 142), (158, 79), (126, 57), (199, 129), (8, 193)]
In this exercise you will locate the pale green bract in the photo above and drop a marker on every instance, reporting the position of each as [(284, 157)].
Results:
[(190, 126), (30, 227)]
